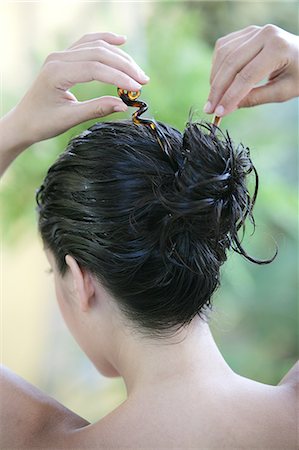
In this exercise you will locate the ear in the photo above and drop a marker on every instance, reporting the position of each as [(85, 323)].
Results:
[(83, 283)]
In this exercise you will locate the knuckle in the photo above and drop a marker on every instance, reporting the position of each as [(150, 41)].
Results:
[(131, 66), (127, 66), (52, 66), (252, 100), (101, 43), (252, 28), (279, 43), (127, 56), (51, 57), (50, 70), (214, 89), (229, 61), (219, 42), (244, 76), (93, 68), (269, 29), (98, 52), (99, 111), (221, 51), (287, 93), (228, 99)]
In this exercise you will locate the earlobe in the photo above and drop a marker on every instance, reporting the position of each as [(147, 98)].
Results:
[(82, 282)]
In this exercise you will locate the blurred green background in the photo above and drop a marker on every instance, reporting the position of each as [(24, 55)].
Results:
[(255, 315)]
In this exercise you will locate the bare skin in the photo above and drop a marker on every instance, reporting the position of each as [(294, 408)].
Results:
[(181, 393), (243, 59)]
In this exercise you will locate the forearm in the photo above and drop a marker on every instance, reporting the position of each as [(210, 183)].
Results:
[(12, 139)]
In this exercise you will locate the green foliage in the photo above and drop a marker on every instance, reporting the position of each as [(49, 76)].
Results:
[(218, 18)]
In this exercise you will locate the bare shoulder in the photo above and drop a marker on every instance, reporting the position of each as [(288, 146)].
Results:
[(272, 409), (288, 403), (289, 384), (247, 414), (291, 378), (29, 418)]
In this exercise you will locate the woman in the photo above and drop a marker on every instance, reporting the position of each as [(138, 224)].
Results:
[(136, 240)]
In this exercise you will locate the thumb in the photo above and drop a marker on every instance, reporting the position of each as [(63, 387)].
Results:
[(272, 92), (99, 107)]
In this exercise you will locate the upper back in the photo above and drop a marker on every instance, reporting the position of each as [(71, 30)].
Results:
[(243, 415)]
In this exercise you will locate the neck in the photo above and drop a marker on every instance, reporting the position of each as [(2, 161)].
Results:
[(192, 354)]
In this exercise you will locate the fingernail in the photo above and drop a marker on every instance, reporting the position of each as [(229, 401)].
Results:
[(219, 111), (143, 75), (136, 86), (120, 108), (207, 108)]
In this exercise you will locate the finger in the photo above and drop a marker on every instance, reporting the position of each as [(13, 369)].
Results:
[(104, 56), (99, 107), (111, 38), (224, 51), (235, 34), (66, 74), (99, 43), (244, 81), (274, 91), (232, 65)]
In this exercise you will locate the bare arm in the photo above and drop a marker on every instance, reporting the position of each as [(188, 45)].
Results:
[(291, 378), (11, 143), (29, 418), (49, 108)]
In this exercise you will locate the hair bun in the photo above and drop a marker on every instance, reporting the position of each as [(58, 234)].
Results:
[(210, 195)]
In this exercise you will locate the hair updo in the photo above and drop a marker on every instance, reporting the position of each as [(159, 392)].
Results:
[(155, 236)]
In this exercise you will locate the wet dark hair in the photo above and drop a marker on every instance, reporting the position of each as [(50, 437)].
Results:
[(153, 234)]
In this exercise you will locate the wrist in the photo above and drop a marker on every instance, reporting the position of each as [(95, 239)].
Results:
[(14, 131), (13, 138)]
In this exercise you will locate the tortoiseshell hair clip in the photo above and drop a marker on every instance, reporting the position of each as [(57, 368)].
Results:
[(130, 99), (216, 121), (215, 125)]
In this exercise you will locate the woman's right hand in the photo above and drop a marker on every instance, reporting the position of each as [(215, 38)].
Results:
[(246, 57), (49, 108)]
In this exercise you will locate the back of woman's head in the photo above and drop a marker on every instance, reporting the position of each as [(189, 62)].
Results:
[(154, 231)]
